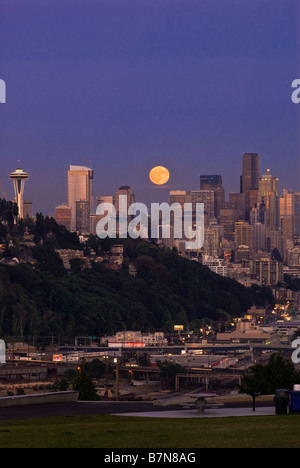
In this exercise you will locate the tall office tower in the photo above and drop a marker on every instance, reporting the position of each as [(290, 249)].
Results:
[(250, 180), (274, 240), (104, 199), (124, 190), (290, 206), (214, 182), (207, 197), (122, 224), (80, 188), (259, 237), (27, 208), (83, 217), (287, 233), (228, 218), (179, 196), (287, 203), (63, 216), (19, 177), (94, 217), (237, 201), (213, 235), (258, 214), (243, 235), (268, 193), (297, 214)]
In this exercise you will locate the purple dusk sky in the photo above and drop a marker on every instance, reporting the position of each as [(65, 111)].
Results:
[(130, 84)]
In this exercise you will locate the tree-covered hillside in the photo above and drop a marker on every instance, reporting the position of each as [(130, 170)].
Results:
[(167, 290), (44, 299)]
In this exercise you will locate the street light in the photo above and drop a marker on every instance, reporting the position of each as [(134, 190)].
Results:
[(116, 361)]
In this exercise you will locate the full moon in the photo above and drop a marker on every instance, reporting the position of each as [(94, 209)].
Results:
[(159, 175)]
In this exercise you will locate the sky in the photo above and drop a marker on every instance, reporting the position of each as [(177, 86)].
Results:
[(125, 85)]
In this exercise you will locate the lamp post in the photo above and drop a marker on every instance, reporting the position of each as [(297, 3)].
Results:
[(117, 362)]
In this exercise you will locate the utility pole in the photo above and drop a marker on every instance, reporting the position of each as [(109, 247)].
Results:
[(116, 361)]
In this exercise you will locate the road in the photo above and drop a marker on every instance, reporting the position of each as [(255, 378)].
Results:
[(92, 408)]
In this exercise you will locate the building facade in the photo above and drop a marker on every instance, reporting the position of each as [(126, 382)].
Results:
[(250, 180), (80, 188)]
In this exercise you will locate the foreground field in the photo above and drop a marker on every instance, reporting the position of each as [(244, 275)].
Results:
[(131, 432)]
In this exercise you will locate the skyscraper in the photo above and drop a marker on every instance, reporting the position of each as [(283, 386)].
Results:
[(214, 182), (250, 180), (19, 177), (237, 201), (63, 216), (128, 192), (80, 188), (290, 205), (83, 217), (268, 194), (27, 208), (207, 197), (122, 224), (243, 234), (104, 199)]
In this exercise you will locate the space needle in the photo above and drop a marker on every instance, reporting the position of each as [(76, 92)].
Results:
[(19, 177)]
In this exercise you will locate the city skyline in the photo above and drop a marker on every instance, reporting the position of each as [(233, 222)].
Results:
[(190, 87), (87, 191)]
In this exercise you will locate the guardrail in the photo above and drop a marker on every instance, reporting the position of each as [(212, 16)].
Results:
[(38, 399)]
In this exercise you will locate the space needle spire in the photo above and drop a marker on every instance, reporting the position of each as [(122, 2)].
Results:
[(19, 177)]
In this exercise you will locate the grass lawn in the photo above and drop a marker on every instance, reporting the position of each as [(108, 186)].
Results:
[(132, 432)]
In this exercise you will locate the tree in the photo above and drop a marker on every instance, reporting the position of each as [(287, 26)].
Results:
[(48, 260), (76, 265), (168, 372), (278, 373), (83, 384), (96, 368), (275, 255)]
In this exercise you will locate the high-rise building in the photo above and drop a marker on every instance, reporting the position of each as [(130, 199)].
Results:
[(19, 177), (214, 182), (213, 235), (104, 199), (125, 190), (27, 208), (259, 237), (287, 233), (94, 217), (179, 196), (122, 192), (237, 201), (290, 206), (207, 197), (268, 194), (80, 188), (83, 217), (297, 214), (258, 214), (243, 235), (250, 180), (63, 216), (268, 272), (228, 218), (273, 240)]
